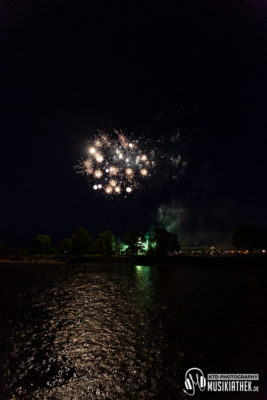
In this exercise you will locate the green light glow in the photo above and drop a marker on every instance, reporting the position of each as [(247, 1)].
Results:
[(143, 284), (124, 247), (142, 268), (144, 246)]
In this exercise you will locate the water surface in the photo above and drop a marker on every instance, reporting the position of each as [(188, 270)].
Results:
[(126, 332)]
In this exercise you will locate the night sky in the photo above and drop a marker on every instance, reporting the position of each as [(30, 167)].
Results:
[(69, 68)]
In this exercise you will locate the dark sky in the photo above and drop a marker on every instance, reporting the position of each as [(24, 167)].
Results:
[(68, 68)]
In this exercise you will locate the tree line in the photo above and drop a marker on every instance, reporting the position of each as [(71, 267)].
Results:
[(157, 242)]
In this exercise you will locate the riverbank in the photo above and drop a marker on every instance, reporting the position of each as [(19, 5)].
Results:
[(143, 260)]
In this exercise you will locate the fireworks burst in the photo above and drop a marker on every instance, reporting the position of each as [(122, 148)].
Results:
[(117, 165)]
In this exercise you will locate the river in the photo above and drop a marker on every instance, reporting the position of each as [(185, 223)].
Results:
[(127, 332)]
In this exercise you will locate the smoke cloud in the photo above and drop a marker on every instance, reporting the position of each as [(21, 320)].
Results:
[(192, 224)]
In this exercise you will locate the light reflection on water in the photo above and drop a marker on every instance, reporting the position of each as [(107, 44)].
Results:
[(121, 332), (91, 333), (143, 282)]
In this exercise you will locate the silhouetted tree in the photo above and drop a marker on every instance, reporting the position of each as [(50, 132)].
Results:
[(42, 244), (151, 243), (249, 236), (164, 242), (81, 242), (20, 252), (64, 246), (135, 242), (105, 243)]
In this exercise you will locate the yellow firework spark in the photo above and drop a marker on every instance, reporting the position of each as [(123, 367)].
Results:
[(113, 170), (109, 189), (113, 183), (129, 172), (143, 171), (98, 173), (92, 150), (98, 143), (99, 158)]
